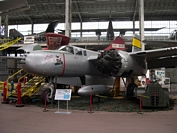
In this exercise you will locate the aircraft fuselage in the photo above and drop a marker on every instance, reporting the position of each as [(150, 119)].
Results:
[(58, 63), (76, 63)]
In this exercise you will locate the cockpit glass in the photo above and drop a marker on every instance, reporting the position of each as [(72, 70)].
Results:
[(67, 49)]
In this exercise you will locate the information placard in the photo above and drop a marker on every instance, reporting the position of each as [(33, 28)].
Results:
[(28, 39), (63, 94)]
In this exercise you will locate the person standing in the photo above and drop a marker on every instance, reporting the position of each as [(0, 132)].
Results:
[(152, 77), (12, 85)]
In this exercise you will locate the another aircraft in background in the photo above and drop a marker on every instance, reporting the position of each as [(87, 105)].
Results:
[(13, 33), (40, 37), (110, 31), (171, 42)]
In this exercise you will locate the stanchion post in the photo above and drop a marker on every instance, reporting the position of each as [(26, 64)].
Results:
[(45, 102), (91, 98), (5, 93), (19, 100), (140, 112), (24, 80)]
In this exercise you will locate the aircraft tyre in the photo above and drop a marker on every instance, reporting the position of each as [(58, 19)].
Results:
[(130, 90), (45, 96)]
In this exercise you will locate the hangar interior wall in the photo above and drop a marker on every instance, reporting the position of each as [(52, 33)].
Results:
[(3, 70)]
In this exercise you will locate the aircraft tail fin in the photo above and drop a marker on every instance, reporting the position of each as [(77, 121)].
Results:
[(54, 40), (51, 26), (136, 43), (117, 44)]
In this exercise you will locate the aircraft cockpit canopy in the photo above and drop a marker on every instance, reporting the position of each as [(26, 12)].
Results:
[(67, 49), (73, 50)]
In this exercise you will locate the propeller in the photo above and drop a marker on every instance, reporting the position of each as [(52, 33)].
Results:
[(109, 63)]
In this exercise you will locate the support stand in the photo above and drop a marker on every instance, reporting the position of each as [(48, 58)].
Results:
[(66, 109)]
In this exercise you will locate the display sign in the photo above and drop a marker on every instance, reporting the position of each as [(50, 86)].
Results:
[(118, 45), (28, 39), (63, 94)]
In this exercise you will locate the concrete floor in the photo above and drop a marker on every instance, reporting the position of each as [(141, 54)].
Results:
[(32, 119)]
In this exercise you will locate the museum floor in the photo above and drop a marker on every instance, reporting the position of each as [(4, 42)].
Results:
[(32, 119)]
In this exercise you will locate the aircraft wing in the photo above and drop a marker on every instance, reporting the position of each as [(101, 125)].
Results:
[(167, 43), (18, 59), (31, 47), (11, 57), (165, 57), (115, 30)]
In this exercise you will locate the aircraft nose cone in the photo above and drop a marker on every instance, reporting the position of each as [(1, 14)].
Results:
[(29, 63)]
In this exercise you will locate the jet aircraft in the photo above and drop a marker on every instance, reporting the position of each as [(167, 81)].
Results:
[(110, 30), (160, 43), (170, 42)]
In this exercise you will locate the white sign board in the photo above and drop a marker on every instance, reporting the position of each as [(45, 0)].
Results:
[(28, 39), (118, 45), (63, 94)]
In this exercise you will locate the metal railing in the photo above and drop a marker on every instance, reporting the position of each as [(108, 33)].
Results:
[(94, 39)]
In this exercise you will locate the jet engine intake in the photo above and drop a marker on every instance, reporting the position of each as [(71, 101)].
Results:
[(109, 62)]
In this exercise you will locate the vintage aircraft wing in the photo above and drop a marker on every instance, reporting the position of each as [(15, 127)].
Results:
[(11, 57), (115, 30), (165, 57), (31, 47), (27, 49), (167, 43)]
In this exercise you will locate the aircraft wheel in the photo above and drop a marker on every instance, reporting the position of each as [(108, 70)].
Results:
[(45, 96), (131, 89)]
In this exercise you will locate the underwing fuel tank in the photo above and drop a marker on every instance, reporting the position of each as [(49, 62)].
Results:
[(94, 90)]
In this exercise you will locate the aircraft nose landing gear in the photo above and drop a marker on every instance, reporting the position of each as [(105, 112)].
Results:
[(47, 94)]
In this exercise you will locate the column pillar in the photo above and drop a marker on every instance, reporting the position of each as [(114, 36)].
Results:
[(81, 29), (0, 26), (141, 22), (68, 17), (6, 25), (32, 28)]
